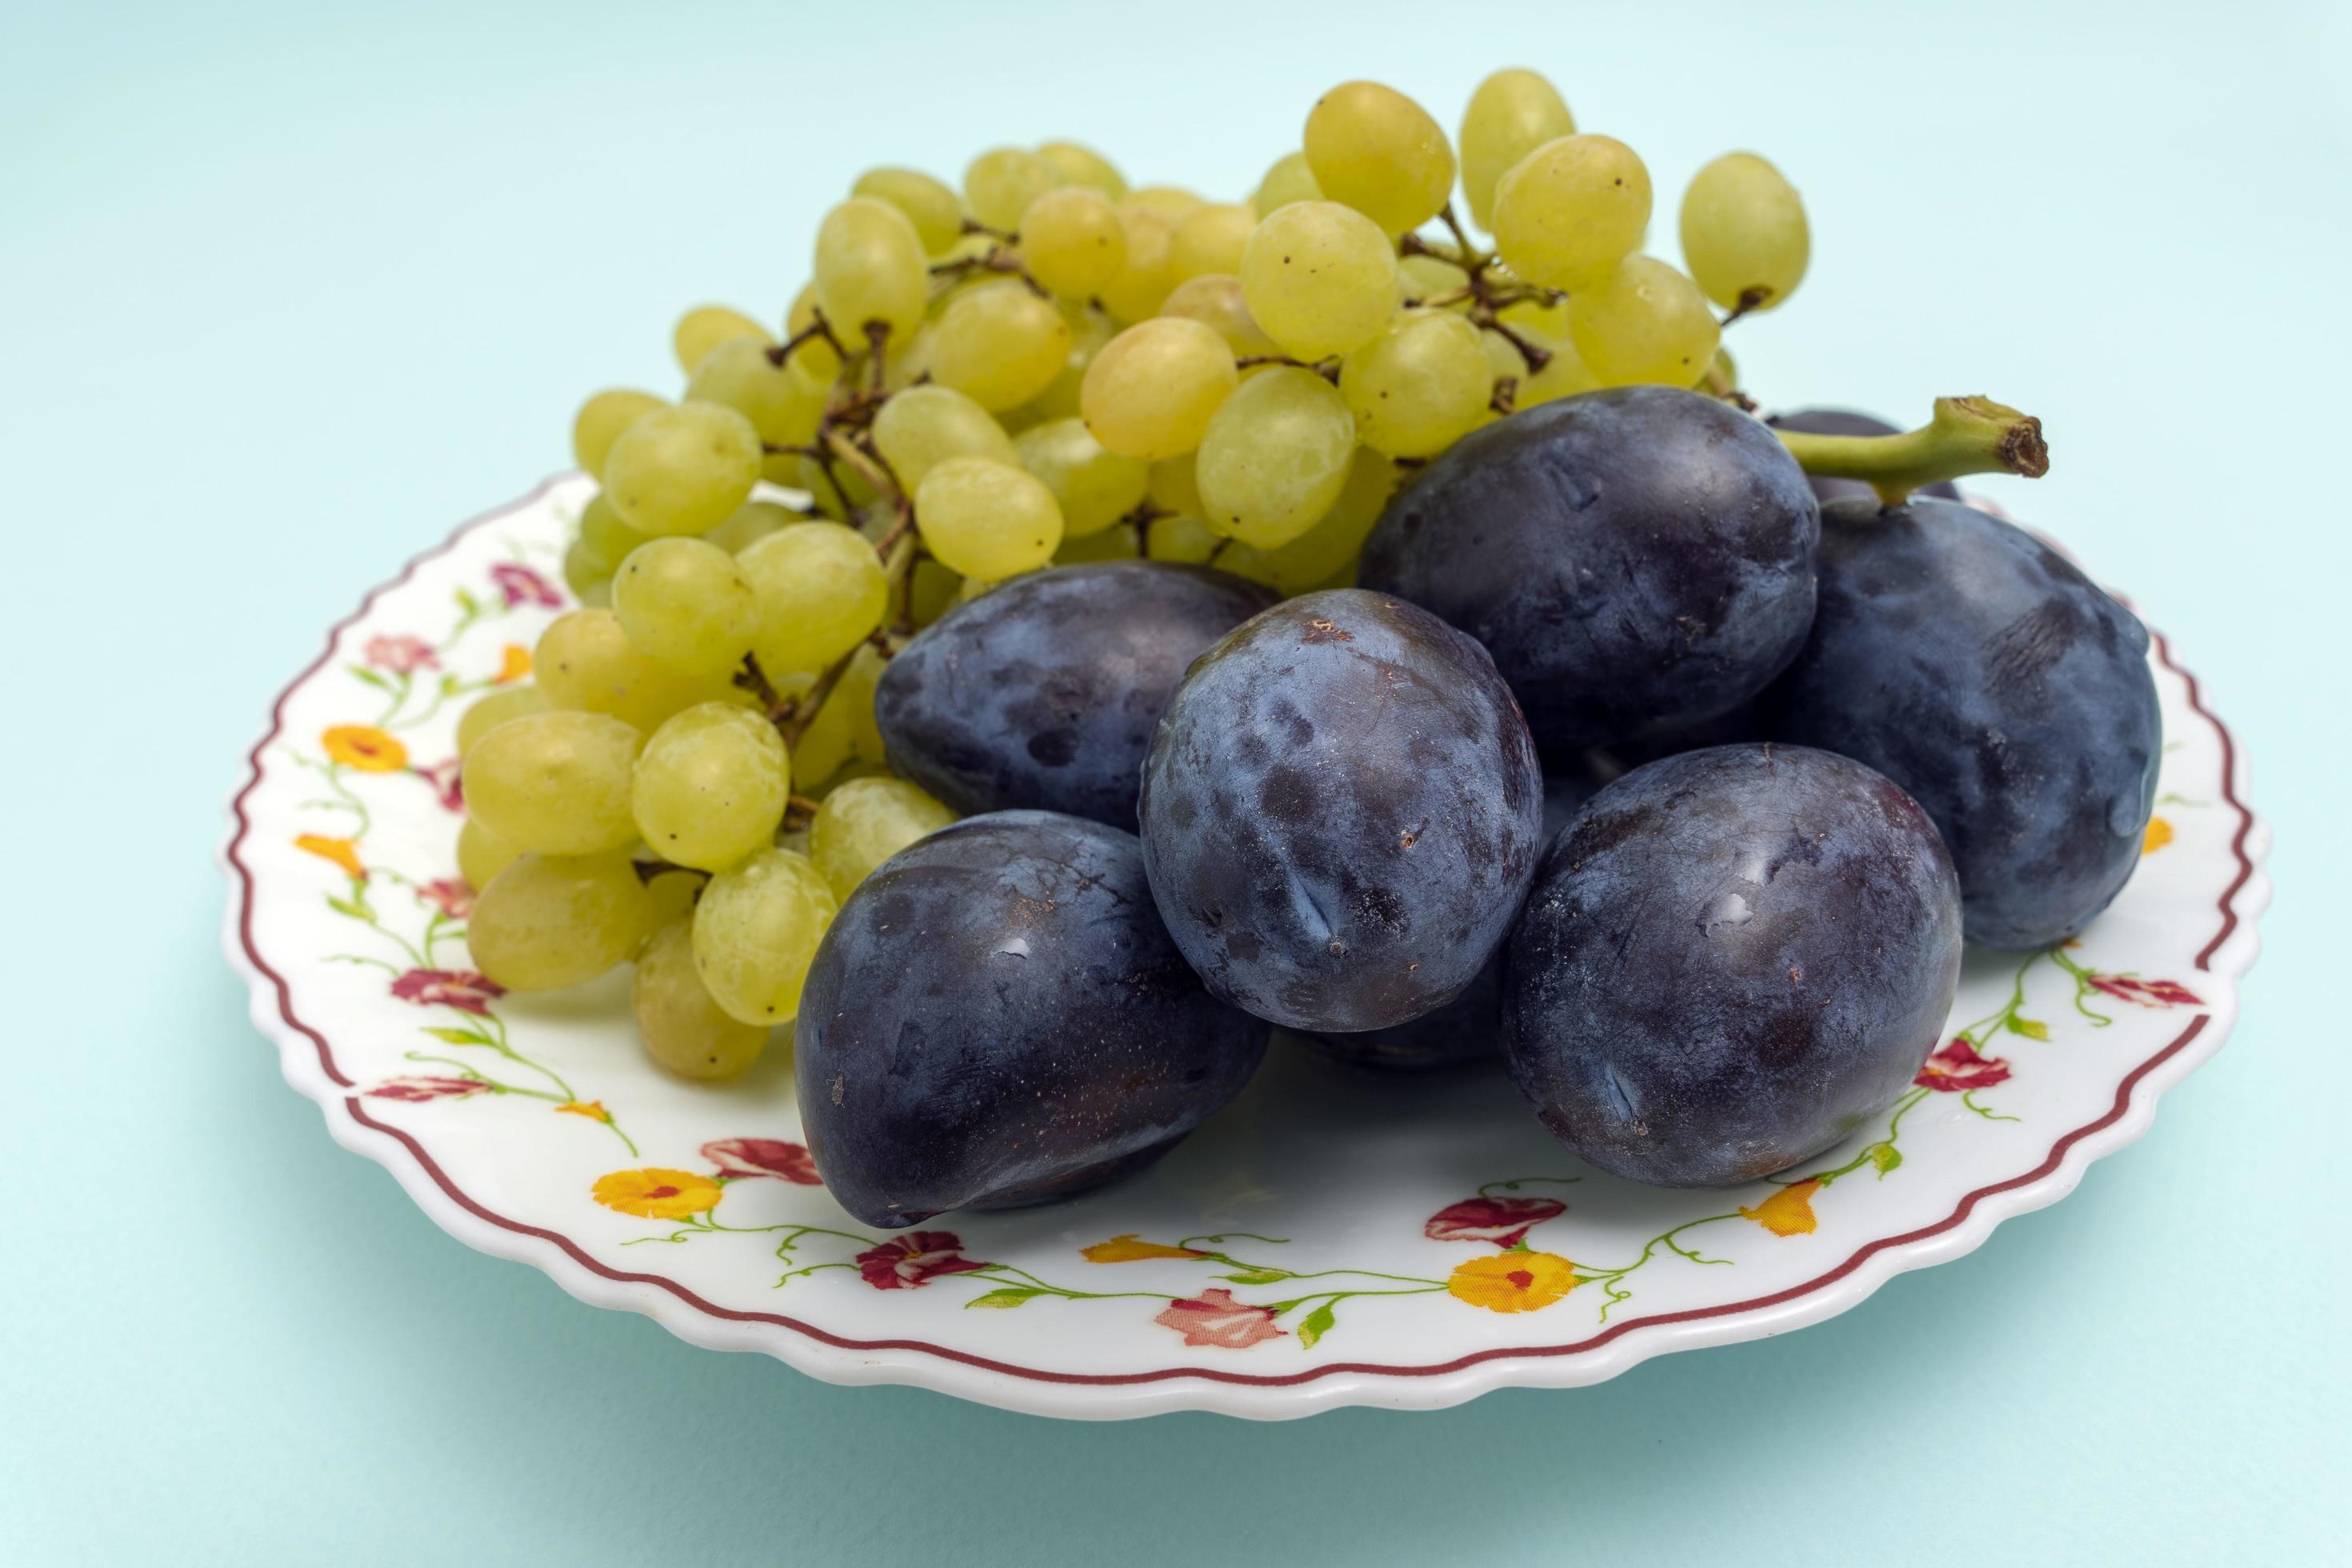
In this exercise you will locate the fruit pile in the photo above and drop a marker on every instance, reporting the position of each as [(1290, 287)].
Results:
[(1104, 623)]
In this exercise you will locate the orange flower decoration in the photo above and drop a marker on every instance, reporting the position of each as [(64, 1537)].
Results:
[(343, 852), (366, 748), (513, 665), (2158, 835), (1789, 1211), (657, 1193), (1128, 1249), (1512, 1281), (593, 1110)]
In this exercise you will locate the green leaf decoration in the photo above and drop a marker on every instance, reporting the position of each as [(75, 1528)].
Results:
[(1317, 1324), (2031, 1028), (345, 907), (468, 602), (362, 673), (1011, 1296), (1255, 1277), (1886, 1156), (457, 1036)]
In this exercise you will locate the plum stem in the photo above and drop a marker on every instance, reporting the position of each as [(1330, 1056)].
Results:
[(1967, 436)]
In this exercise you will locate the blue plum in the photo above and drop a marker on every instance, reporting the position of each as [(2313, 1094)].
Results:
[(1637, 559), (1044, 692), (1731, 961), (1979, 670), (1340, 813), (997, 1016), (1845, 422)]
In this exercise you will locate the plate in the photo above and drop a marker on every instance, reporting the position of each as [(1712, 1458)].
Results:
[(1331, 1238)]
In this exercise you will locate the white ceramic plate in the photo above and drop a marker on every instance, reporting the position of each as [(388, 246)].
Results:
[(1331, 1238)]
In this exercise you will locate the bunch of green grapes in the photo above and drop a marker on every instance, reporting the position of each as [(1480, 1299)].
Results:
[(1038, 365)]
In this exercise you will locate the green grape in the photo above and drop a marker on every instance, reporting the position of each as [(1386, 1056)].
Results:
[(1275, 456), (1173, 200), (842, 495), (936, 210), (1090, 331), (1380, 153), (1330, 547), (608, 538), (863, 822), (1570, 211), (682, 603), (756, 930), (1422, 278), (1000, 184), (924, 426), (670, 896), (555, 783), (752, 522), (682, 469), (1000, 344), (821, 591), (843, 730), (1511, 114), (489, 712), (1174, 486), (1119, 542), (1137, 293), (590, 580), (1208, 239), (1290, 180), (546, 922), (481, 854), (602, 419), (678, 1023), (1081, 165), (1245, 561), (1182, 538), (1151, 390), (1320, 278), (1071, 241), (1215, 299), (783, 404), (870, 269), (1743, 233), (1645, 324), (931, 590), (710, 786), (1420, 386), (1563, 375), (987, 519), (705, 326), (1094, 486), (585, 663), (1545, 318), (815, 359)]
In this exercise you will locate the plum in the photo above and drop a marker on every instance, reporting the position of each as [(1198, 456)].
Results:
[(997, 1016), (1044, 692), (1845, 422), (1637, 559), (1978, 668), (1731, 961), (1341, 812)]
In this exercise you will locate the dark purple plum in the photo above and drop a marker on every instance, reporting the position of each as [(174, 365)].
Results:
[(1743, 723), (1845, 422), (997, 1016), (1340, 813), (1978, 668), (1044, 692), (1636, 560), (1731, 961)]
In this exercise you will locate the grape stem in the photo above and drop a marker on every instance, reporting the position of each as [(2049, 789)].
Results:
[(817, 328), (1967, 436), (1486, 297), (998, 259), (1328, 368)]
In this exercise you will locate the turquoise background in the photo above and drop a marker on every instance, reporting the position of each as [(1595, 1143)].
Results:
[(287, 290)]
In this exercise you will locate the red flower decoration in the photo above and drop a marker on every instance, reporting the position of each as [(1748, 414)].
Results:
[(2147, 992), (401, 654), (453, 896), (741, 1158), (447, 779), (414, 1090), (460, 988), (522, 585), (906, 1262), (1214, 1318), (1957, 1068), (1503, 1221)]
